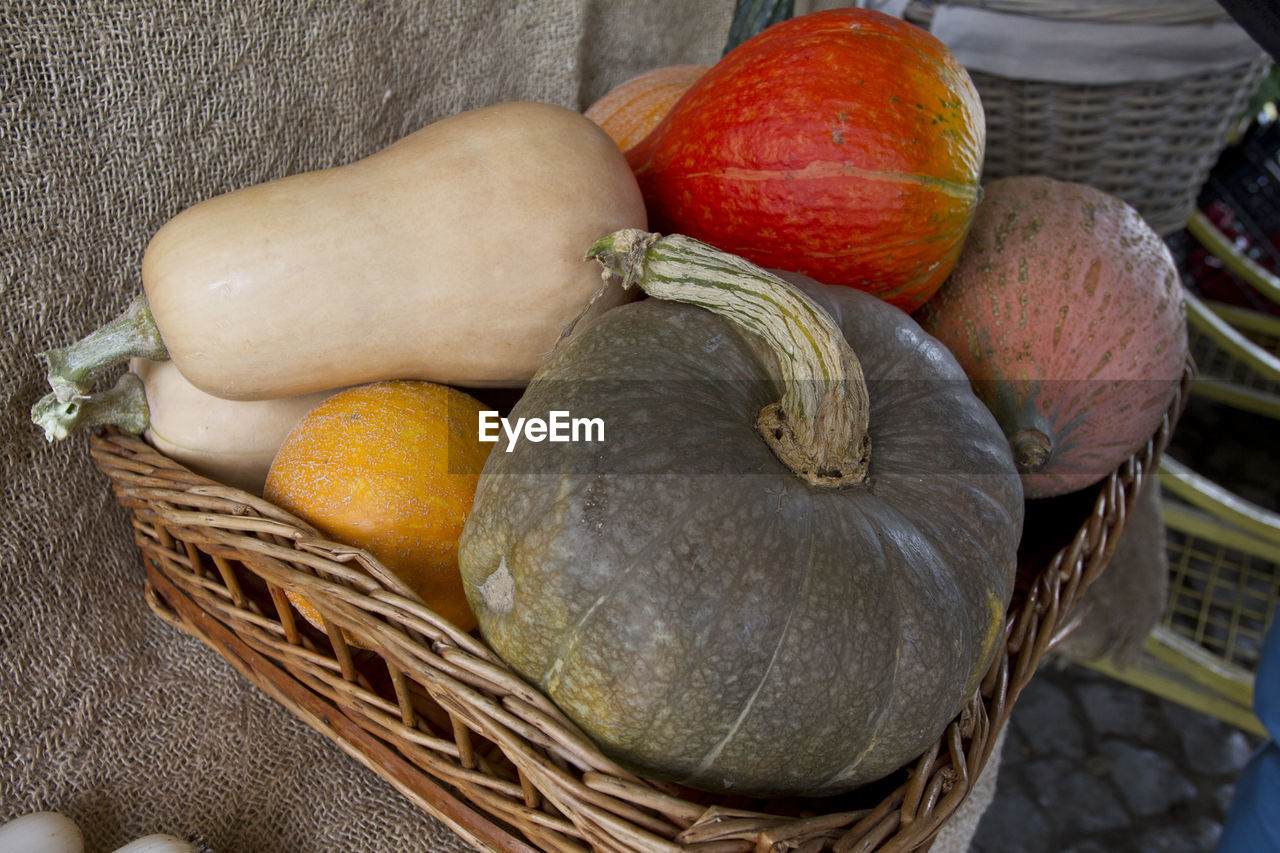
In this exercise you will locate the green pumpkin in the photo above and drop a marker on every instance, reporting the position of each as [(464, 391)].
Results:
[(785, 569)]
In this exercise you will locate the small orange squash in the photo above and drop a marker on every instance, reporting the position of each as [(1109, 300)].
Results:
[(631, 110), (389, 467)]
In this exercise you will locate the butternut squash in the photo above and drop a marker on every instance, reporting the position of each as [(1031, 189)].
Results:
[(453, 255), (231, 441)]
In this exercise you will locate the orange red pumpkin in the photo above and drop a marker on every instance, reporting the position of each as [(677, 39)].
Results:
[(845, 145)]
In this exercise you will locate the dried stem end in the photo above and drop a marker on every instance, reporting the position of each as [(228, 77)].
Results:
[(1031, 450), (796, 452), (125, 405)]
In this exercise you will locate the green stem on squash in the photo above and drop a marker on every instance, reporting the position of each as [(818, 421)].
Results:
[(819, 427), (754, 16), (125, 405), (74, 369)]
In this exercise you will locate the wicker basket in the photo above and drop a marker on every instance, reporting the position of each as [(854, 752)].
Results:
[(1150, 143), (437, 714)]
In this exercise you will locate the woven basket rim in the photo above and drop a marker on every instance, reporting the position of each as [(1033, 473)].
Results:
[(1148, 12), (446, 692)]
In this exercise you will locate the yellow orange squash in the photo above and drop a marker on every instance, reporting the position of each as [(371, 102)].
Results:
[(390, 467), (632, 109)]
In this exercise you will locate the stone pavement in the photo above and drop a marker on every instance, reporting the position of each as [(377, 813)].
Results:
[(1091, 765)]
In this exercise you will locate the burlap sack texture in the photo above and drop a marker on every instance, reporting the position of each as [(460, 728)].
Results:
[(1128, 600), (115, 116)]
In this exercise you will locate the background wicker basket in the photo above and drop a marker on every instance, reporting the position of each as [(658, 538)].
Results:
[(1149, 142), (437, 714)]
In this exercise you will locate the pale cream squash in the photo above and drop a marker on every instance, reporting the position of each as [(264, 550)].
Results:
[(453, 255), (231, 441)]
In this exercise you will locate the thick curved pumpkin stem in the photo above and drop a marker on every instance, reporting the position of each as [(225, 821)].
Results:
[(74, 369), (819, 427), (125, 405)]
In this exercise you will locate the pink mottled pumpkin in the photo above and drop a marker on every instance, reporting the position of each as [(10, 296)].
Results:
[(1065, 310)]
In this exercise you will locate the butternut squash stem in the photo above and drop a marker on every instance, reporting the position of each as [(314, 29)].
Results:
[(125, 405), (819, 427), (74, 369)]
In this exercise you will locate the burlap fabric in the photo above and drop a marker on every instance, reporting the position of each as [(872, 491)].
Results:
[(114, 117), (1128, 600)]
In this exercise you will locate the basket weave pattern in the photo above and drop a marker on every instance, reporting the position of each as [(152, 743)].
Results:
[(437, 714), (1150, 143)]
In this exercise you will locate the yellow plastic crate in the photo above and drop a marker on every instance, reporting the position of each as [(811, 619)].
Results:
[(1224, 585), (1236, 350)]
